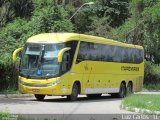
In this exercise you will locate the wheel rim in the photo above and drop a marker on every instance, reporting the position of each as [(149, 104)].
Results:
[(74, 92)]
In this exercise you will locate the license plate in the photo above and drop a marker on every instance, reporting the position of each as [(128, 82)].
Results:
[(35, 90)]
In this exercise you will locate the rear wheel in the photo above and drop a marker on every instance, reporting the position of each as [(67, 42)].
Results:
[(74, 94), (94, 95), (122, 92), (129, 89), (39, 97)]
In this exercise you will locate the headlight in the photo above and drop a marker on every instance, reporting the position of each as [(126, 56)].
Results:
[(21, 82), (54, 83)]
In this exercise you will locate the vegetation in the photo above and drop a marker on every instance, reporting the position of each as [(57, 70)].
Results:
[(132, 21), (4, 115), (8, 116), (149, 102), (152, 76), (152, 87)]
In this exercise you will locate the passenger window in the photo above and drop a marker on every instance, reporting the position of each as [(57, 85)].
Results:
[(83, 53), (109, 53)]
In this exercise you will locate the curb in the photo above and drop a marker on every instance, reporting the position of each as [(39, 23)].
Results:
[(138, 110), (148, 93), (15, 95), (150, 90)]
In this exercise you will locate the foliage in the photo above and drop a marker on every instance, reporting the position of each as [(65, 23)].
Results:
[(120, 33), (4, 115), (152, 73), (8, 73), (10, 9), (83, 20), (152, 86), (149, 102), (100, 27), (152, 31), (116, 10), (100, 18)]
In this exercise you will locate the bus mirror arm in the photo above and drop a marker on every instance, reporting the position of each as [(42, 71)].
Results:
[(61, 52), (14, 55)]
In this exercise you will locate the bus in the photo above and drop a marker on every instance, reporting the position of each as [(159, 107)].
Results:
[(69, 64)]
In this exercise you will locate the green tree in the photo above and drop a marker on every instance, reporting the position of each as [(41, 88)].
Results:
[(100, 27), (152, 31), (10, 9), (115, 12)]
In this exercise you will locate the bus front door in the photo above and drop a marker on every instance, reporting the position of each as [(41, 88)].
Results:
[(88, 82)]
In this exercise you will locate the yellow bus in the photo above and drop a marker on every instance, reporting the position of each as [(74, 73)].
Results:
[(69, 64)]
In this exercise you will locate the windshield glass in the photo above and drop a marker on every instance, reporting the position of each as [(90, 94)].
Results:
[(40, 60)]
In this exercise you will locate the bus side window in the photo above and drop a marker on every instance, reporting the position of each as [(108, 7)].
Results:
[(83, 52)]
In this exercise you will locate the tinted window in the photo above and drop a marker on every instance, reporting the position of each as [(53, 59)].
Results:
[(95, 52), (109, 53)]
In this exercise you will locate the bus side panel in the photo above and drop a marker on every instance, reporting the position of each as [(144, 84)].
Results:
[(110, 75)]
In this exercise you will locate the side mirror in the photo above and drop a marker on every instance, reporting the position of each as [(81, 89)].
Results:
[(14, 55), (61, 52)]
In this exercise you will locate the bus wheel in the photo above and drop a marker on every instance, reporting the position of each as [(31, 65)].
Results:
[(129, 88), (74, 94), (94, 95), (122, 91), (39, 97)]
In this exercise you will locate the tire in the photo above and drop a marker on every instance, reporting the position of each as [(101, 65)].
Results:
[(94, 95), (39, 97), (74, 94), (129, 89), (122, 91), (114, 95)]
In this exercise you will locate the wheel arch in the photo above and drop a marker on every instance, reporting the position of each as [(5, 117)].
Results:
[(124, 82), (130, 82)]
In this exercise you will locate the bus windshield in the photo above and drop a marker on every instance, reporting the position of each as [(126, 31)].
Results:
[(40, 60)]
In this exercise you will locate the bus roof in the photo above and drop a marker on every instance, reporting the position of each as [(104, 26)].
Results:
[(64, 37)]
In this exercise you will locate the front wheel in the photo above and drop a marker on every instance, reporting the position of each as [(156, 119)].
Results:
[(74, 94), (39, 97)]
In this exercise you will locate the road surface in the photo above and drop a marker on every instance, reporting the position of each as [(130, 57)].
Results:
[(60, 105), (103, 108)]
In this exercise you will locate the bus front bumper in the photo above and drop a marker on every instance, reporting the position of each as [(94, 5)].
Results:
[(50, 88)]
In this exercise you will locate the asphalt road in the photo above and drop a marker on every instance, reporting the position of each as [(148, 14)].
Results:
[(60, 105)]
